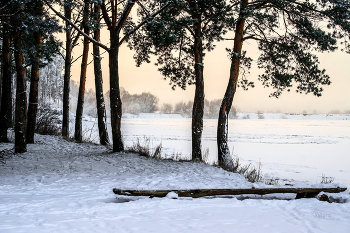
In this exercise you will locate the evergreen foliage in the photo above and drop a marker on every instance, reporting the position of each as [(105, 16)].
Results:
[(172, 35), (289, 34)]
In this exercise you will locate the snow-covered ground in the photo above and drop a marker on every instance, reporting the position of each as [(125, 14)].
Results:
[(60, 186), (300, 147)]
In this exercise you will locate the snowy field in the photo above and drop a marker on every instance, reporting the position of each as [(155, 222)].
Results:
[(60, 186), (295, 147)]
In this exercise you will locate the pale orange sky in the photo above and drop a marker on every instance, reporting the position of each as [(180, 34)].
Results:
[(216, 69)]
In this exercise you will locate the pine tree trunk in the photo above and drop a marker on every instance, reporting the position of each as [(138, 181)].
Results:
[(67, 67), (80, 105), (116, 104), (0, 79), (34, 81), (100, 102), (21, 96), (198, 103), (6, 100), (224, 155)]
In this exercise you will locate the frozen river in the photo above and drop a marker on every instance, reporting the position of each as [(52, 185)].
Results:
[(301, 149)]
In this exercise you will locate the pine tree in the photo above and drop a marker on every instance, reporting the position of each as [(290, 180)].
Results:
[(21, 94), (78, 136), (72, 37), (6, 100), (100, 102), (67, 69), (288, 33), (31, 31), (115, 24), (39, 43), (181, 35)]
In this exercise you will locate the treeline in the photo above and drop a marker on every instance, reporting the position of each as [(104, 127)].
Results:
[(211, 109), (145, 103), (178, 34)]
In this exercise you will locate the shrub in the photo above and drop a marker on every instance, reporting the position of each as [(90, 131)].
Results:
[(5, 154), (47, 121)]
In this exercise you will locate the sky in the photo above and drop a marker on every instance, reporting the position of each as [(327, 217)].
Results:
[(216, 73)]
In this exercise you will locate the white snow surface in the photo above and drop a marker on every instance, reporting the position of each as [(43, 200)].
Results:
[(60, 186)]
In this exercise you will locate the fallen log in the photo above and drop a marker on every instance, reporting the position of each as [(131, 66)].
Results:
[(195, 193)]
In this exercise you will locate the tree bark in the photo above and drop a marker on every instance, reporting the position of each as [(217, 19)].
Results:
[(224, 155), (67, 68), (6, 100), (116, 103), (21, 94), (100, 102), (34, 80), (80, 105), (198, 103)]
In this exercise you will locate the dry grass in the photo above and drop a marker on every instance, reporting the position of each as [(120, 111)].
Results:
[(143, 148), (326, 179), (250, 172)]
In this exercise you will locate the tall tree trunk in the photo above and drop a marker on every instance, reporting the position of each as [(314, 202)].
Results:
[(198, 103), (67, 67), (21, 94), (80, 105), (6, 100), (100, 102), (116, 103), (224, 155), (34, 80), (0, 78)]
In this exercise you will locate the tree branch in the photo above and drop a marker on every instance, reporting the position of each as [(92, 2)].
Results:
[(75, 41), (143, 7), (76, 27), (105, 16), (125, 14), (251, 37), (144, 22)]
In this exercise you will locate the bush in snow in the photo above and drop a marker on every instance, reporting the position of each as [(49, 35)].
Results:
[(48, 121)]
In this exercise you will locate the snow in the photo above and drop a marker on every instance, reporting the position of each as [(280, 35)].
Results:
[(172, 195), (60, 186)]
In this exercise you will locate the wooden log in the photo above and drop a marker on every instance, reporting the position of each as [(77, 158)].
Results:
[(195, 193)]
